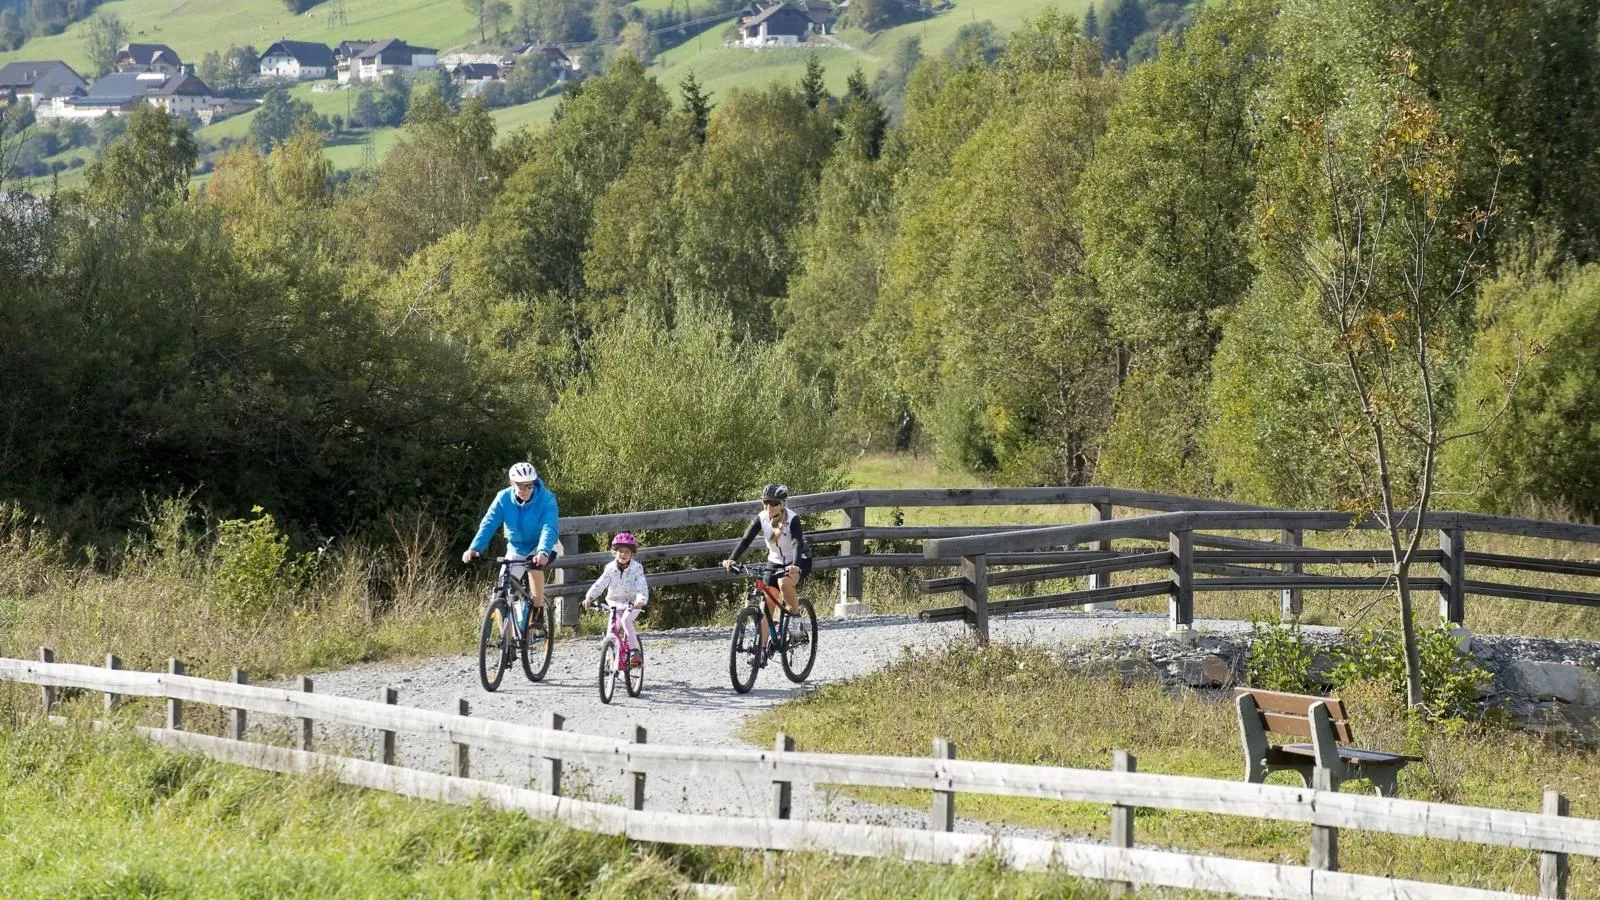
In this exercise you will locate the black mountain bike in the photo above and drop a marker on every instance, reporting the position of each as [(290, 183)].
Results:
[(749, 654), (504, 637)]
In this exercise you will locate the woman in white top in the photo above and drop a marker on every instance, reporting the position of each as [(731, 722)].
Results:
[(788, 555), (625, 587)]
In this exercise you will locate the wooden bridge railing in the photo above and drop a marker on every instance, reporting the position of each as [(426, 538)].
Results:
[(1552, 834), (575, 571), (1237, 563)]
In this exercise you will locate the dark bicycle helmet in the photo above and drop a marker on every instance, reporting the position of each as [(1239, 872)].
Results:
[(775, 492)]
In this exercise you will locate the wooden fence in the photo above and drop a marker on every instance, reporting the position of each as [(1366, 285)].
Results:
[(1551, 833), (851, 558), (1194, 548), (1203, 551)]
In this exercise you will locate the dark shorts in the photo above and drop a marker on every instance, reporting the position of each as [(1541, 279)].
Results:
[(775, 571)]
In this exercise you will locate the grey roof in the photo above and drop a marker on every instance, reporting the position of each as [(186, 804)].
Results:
[(352, 49), (309, 53), (772, 12), (121, 86), (393, 50), (183, 83), (146, 54), (44, 77), (477, 71)]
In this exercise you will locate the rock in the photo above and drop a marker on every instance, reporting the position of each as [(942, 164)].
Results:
[(1539, 680)]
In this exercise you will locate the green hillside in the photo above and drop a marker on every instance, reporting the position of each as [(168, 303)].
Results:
[(193, 27)]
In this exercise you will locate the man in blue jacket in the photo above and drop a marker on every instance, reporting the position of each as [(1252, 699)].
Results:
[(527, 512)]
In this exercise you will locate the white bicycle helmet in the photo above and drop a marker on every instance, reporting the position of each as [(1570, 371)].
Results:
[(523, 472)]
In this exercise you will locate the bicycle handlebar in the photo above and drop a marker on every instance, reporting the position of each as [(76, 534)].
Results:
[(506, 560)]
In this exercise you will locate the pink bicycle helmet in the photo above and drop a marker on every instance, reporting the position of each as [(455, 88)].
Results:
[(624, 539)]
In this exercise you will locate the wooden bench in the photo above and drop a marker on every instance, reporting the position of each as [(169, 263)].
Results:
[(1322, 719)]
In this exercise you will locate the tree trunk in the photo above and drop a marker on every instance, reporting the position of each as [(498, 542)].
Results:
[(1408, 632)]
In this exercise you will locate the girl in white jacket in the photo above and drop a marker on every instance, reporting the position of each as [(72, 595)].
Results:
[(625, 587)]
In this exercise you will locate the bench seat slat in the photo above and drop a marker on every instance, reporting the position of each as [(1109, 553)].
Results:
[(1294, 753), (1288, 713)]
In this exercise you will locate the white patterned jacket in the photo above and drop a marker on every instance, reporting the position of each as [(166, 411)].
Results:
[(621, 587)]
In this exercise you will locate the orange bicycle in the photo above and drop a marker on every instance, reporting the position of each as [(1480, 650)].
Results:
[(756, 638)]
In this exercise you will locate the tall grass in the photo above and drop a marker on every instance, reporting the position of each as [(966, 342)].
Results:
[(102, 813), (1018, 704), (178, 590)]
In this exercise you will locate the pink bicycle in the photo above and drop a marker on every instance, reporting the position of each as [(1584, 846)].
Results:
[(614, 658)]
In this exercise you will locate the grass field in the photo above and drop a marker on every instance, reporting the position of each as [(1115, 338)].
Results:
[(1018, 705), (194, 27), (98, 814)]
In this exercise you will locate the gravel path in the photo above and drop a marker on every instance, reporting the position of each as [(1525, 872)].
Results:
[(688, 700)]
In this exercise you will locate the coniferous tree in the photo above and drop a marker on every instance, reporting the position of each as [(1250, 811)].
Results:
[(811, 84), (696, 105)]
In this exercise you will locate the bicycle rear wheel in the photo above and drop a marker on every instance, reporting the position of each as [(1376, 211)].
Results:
[(493, 644), (538, 642), (744, 657), (636, 676), (800, 644), (608, 669)]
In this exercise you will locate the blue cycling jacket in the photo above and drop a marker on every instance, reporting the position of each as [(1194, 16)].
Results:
[(530, 527)]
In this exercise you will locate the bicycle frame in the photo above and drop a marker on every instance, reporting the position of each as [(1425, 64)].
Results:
[(616, 630)]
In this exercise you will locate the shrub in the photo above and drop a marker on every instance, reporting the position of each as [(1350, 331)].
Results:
[(254, 566), (1279, 658), (1449, 678)]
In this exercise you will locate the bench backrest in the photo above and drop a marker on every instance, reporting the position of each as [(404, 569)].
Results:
[(1290, 713)]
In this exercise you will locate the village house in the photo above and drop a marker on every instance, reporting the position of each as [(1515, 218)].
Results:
[(475, 72), (38, 81), (120, 93), (561, 65), (376, 60), (297, 60), (777, 25), (148, 58)]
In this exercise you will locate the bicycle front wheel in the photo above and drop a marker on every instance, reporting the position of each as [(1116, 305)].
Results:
[(538, 642), (493, 642), (608, 669), (744, 657), (800, 644), (636, 675)]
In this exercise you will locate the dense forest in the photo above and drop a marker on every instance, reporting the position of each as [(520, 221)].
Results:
[(1303, 232)]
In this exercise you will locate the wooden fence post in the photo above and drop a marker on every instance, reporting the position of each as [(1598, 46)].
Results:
[(851, 578), (385, 736), (1453, 599), (975, 588), (1292, 601), (236, 716), (552, 764), (568, 609), (1100, 512), (305, 721), (1324, 840), (1181, 607), (462, 766), (639, 737), (174, 705), (46, 655), (943, 815), (113, 661), (1553, 866), (782, 791), (1122, 816)]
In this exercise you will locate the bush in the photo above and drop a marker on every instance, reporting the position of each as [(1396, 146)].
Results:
[(685, 417), (253, 565), (1449, 678), (1279, 659)]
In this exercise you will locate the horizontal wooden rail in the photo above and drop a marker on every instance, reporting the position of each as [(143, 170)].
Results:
[(1155, 526), (1311, 582), (1519, 592), (1313, 557), (1053, 601), (1096, 562), (1160, 868), (1528, 564)]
